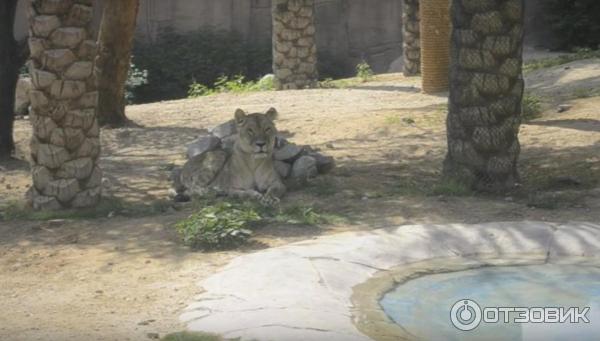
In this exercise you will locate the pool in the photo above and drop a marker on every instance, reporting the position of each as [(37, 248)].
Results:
[(422, 306)]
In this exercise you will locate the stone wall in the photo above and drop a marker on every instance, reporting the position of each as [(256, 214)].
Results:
[(294, 46), (347, 30), (65, 144)]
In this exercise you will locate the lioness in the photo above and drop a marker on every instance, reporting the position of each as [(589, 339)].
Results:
[(248, 172)]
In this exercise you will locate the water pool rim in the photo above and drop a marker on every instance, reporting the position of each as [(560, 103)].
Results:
[(369, 316)]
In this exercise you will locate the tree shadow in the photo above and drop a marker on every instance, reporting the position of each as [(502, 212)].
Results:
[(12, 164), (575, 124)]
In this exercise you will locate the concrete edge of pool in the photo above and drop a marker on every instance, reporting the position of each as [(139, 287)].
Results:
[(304, 291), (371, 319)]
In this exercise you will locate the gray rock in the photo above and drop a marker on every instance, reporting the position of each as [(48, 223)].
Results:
[(288, 152), (87, 198), (564, 107), (46, 203), (223, 130), (280, 142), (305, 168), (283, 168), (228, 142), (202, 145), (324, 163), (22, 101)]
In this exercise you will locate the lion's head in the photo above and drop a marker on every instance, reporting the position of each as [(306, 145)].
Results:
[(256, 132)]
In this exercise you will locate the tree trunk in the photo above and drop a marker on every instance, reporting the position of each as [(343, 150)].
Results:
[(115, 42), (9, 74), (411, 37), (435, 44), (486, 93), (294, 44), (65, 144)]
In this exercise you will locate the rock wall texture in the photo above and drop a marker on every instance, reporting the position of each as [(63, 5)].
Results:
[(487, 88), (65, 145), (412, 37), (294, 44), (347, 30)]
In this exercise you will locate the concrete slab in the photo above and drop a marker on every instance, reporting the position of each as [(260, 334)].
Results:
[(302, 291)]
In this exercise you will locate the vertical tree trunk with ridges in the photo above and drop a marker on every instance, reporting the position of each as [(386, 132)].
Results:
[(486, 93), (435, 30), (115, 42), (65, 144), (294, 44), (411, 37), (9, 74)]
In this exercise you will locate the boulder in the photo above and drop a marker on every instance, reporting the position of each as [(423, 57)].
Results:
[(228, 142), (202, 145), (288, 152), (223, 130), (283, 169), (305, 168), (324, 163)]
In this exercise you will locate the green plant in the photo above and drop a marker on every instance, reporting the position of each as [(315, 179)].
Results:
[(218, 226), (174, 61), (531, 107), (135, 79), (451, 188), (364, 71), (582, 93), (235, 84), (192, 336), (199, 90)]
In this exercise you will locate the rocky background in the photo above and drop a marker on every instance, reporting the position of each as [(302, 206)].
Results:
[(294, 44), (65, 145), (295, 164)]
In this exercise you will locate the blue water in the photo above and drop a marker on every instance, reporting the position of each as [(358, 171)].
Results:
[(422, 306)]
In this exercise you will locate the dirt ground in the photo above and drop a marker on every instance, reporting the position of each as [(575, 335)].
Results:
[(122, 278)]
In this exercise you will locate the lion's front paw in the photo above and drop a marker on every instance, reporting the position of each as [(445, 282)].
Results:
[(269, 200)]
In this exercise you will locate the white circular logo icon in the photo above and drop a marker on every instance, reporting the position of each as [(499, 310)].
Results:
[(465, 315)]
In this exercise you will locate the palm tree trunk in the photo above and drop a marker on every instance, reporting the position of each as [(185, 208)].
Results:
[(411, 37), (435, 44), (65, 144), (486, 93), (294, 44), (115, 41)]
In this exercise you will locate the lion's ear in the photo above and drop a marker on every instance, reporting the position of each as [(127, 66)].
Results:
[(272, 114), (240, 116)]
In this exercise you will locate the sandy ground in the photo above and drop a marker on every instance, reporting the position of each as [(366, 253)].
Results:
[(121, 278)]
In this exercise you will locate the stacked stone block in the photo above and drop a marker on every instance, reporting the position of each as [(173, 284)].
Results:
[(486, 93), (411, 37), (294, 44), (65, 144)]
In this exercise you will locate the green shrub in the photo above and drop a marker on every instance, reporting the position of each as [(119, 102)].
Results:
[(531, 107), (175, 61), (235, 84), (135, 79), (218, 226), (574, 23), (364, 71)]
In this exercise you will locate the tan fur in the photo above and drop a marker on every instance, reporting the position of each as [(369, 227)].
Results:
[(249, 172)]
